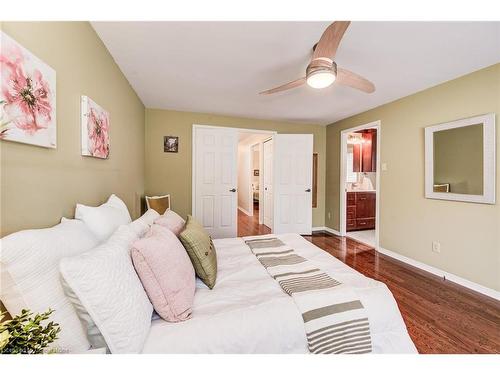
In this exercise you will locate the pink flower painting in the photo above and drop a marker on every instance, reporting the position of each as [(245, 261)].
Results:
[(95, 129), (27, 96)]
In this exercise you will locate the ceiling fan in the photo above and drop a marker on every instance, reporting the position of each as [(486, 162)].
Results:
[(322, 71)]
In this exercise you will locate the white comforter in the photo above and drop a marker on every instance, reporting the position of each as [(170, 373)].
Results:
[(247, 312)]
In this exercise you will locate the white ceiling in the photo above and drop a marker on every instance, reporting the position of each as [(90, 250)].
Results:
[(219, 67)]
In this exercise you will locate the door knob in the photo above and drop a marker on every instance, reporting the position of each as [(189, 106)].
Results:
[(233, 190), (308, 190)]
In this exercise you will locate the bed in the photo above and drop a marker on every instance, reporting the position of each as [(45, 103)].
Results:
[(247, 311)]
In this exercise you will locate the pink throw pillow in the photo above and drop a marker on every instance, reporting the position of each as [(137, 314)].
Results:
[(172, 221), (166, 272)]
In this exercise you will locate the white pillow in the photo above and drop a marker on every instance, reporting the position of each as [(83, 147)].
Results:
[(142, 224), (107, 286), (97, 341), (30, 276), (104, 219)]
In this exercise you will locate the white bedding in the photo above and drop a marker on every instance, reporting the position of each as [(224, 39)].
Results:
[(247, 312)]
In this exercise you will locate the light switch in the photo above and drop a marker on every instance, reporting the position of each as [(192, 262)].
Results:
[(384, 166)]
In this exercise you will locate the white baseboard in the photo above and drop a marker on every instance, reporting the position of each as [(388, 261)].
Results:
[(326, 229), (448, 276), (425, 267), (245, 211)]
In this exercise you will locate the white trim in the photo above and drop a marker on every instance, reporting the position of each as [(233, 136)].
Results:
[(244, 211), (249, 209), (489, 140), (263, 208), (343, 198), (243, 130), (326, 229), (446, 275), (261, 182), (193, 170), (435, 271)]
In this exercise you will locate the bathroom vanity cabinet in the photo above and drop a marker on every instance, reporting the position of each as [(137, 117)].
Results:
[(360, 210)]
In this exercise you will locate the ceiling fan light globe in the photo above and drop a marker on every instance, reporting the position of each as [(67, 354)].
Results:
[(321, 79)]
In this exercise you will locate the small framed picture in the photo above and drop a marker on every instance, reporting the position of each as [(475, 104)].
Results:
[(255, 172), (170, 144)]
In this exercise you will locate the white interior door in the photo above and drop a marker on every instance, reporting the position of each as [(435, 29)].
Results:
[(293, 158), (215, 180), (268, 183)]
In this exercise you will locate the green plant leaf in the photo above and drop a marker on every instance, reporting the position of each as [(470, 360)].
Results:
[(26, 334)]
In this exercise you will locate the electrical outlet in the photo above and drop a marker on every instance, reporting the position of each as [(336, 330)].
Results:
[(436, 247), (329, 215)]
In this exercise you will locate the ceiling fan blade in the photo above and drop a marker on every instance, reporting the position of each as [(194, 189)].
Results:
[(286, 86), (347, 78), (330, 40)]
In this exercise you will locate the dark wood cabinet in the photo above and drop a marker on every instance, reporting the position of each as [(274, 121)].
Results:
[(369, 162), (356, 158), (365, 154), (360, 210)]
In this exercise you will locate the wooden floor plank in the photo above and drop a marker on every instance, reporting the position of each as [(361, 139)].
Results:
[(441, 316)]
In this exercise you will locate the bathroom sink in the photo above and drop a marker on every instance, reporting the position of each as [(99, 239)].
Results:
[(364, 185)]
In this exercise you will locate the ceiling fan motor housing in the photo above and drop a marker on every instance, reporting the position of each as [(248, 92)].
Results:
[(321, 64)]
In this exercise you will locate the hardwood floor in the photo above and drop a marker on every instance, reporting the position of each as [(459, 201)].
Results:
[(442, 317), (249, 225)]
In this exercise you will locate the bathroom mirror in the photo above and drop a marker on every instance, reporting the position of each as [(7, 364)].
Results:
[(460, 160)]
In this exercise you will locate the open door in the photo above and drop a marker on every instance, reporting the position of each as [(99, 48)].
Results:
[(268, 183), (215, 180), (293, 160)]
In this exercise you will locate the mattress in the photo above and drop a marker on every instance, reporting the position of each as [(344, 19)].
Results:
[(247, 312)]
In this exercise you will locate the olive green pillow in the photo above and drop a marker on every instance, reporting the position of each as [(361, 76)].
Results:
[(201, 251)]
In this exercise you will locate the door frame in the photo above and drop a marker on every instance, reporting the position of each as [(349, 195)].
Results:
[(343, 171), (193, 156), (260, 148), (261, 182)]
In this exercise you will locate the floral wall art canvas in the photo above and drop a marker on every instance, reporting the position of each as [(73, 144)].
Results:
[(95, 129), (27, 96)]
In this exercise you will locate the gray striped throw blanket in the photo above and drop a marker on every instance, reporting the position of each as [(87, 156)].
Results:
[(335, 321)]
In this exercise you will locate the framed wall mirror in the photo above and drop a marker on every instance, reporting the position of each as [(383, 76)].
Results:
[(460, 160)]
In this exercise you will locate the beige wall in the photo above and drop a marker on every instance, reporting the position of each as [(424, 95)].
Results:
[(469, 233), (458, 159), (171, 173), (40, 185)]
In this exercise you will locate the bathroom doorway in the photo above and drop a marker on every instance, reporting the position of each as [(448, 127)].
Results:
[(360, 183), (251, 205)]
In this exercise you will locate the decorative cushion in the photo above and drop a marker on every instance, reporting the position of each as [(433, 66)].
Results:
[(108, 288), (159, 203), (166, 273), (201, 251), (104, 219), (30, 277), (97, 341), (171, 221)]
